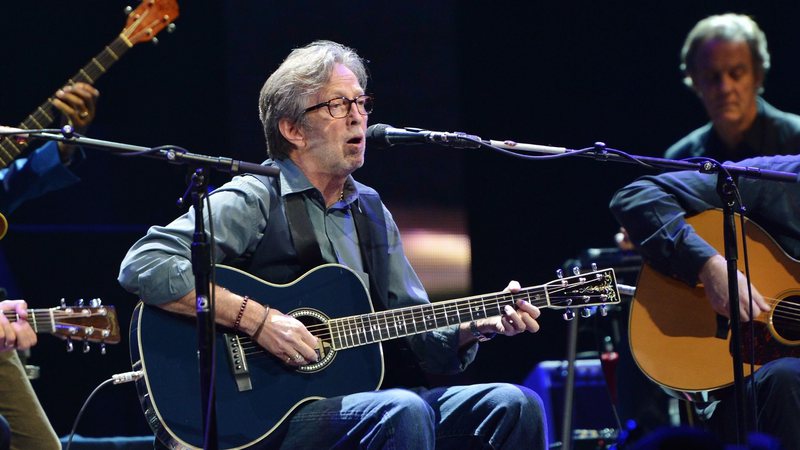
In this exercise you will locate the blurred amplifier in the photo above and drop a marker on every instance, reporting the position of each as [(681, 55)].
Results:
[(591, 402), (626, 264)]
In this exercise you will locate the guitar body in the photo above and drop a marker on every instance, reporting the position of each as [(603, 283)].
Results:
[(164, 345), (673, 329)]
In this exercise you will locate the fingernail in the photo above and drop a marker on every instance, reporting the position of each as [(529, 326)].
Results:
[(60, 93)]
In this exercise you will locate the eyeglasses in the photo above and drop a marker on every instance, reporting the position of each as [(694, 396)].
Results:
[(340, 107)]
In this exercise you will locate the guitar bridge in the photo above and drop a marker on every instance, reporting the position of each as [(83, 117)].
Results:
[(238, 362)]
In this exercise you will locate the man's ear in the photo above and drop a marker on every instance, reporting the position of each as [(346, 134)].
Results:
[(292, 132)]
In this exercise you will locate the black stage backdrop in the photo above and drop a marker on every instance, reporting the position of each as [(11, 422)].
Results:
[(555, 73)]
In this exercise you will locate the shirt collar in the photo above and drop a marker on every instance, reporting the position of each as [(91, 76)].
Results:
[(293, 181)]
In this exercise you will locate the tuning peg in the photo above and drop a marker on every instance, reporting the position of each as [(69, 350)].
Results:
[(568, 314), (603, 310), (102, 348), (80, 303), (95, 303), (170, 28), (559, 273), (594, 267), (154, 41), (63, 303), (586, 312), (70, 347), (576, 270), (128, 10), (86, 346)]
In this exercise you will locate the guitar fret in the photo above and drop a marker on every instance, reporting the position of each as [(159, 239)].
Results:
[(386, 325), (86, 77), (343, 333), (346, 333), (110, 52), (351, 342), (99, 66), (45, 114), (390, 331), (338, 334), (36, 122), (6, 153), (362, 330)]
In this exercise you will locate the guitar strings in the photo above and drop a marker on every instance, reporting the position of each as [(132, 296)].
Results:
[(79, 313), (351, 329), (435, 312)]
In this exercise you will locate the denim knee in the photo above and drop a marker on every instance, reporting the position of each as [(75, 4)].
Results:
[(401, 405)]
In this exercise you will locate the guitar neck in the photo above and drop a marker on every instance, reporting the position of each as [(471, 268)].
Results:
[(45, 114), (366, 329), (41, 320)]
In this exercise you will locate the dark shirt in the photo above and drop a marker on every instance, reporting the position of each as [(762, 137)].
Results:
[(652, 209), (774, 132), (34, 176)]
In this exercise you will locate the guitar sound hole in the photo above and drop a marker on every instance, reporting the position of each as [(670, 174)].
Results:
[(315, 321), (785, 319)]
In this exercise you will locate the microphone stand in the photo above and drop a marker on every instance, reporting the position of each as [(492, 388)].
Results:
[(201, 261), (726, 189)]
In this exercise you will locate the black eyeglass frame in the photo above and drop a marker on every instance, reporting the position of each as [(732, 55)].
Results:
[(349, 101)]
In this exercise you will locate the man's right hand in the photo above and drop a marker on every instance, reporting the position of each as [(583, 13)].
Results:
[(18, 334), (288, 339), (714, 276)]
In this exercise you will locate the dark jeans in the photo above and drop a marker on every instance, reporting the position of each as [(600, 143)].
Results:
[(777, 387), (482, 416)]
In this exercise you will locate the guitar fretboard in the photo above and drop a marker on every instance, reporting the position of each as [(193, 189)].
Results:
[(41, 320), (385, 325), (45, 114)]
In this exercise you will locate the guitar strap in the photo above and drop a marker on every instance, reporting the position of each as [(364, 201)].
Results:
[(402, 367), (305, 241)]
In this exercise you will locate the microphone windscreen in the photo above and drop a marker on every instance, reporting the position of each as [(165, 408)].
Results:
[(376, 135)]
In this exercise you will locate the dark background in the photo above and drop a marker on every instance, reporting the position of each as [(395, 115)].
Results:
[(555, 73)]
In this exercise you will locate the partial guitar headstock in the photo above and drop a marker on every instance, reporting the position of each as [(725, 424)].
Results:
[(583, 291), (93, 323), (148, 19)]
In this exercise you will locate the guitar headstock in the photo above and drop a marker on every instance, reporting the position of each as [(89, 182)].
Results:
[(584, 291), (148, 19), (93, 323)]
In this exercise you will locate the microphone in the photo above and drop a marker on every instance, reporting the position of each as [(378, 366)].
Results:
[(384, 136)]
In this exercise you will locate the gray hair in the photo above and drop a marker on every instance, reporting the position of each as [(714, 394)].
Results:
[(302, 74), (730, 28)]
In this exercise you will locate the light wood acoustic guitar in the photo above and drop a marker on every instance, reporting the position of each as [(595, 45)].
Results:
[(94, 323), (673, 330)]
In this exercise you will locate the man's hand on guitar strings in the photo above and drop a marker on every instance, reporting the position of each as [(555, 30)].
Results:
[(714, 276), (288, 339), (15, 334)]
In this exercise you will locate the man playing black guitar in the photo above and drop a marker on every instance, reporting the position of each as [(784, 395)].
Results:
[(314, 110)]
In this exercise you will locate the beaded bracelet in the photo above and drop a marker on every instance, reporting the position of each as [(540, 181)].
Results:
[(263, 321), (241, 313)]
